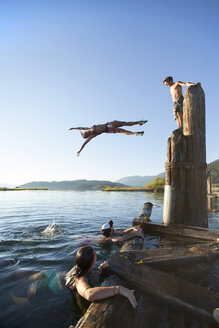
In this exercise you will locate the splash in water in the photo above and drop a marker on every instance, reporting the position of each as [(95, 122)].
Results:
[(52, 229)]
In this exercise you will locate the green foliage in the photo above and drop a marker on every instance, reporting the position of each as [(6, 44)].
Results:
[(156, 184), (109, 188), (213, 169)]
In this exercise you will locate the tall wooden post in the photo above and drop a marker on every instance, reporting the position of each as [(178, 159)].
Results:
[(185, 199)]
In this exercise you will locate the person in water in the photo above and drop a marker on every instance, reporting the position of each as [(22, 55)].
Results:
[(108, 233), (77, 279), (110, 127), (177, 96)]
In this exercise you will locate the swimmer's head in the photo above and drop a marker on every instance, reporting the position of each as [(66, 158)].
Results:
[(106, 230), (86, 134), (84, 261), (85, 257), (110, 223)]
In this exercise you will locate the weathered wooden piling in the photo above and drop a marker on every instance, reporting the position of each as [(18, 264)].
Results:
[(209, 192), (146, 211), (185, 199)]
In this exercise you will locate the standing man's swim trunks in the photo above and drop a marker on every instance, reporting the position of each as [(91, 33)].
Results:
[(178, 106)]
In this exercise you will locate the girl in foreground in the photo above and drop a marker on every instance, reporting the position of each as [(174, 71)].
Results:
[(77, 278), (110, 127)]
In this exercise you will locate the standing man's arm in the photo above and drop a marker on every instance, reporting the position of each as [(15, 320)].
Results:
[(185, 84)]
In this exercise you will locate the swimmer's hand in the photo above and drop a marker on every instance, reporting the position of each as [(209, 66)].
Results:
[(128, 294), (103, 265)]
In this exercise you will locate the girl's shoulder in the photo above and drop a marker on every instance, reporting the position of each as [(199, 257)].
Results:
[(81, 280)]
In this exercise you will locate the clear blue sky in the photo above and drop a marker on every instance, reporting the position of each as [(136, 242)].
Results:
[(83, 62)]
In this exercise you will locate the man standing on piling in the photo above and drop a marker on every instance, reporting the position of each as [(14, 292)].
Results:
[(177, 96)]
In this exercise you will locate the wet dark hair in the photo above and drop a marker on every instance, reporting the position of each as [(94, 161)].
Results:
[(83, 261), (106, 232), (110, 223), (168, 79)]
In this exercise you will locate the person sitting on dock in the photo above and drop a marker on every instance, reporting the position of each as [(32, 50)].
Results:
[(177, 96), (108, 232), (110, 127), (77, 278)]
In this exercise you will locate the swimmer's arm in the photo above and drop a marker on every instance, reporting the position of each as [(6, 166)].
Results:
[(100, 293), (116, 240), (84, 144), (118, 232), (128, 230), (135, 228), (130, 236)]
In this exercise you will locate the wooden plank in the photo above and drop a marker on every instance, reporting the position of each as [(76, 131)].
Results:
[(171, 255), (132, 244), (174, 291), (178, 230)]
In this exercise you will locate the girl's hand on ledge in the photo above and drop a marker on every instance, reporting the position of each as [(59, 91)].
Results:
[(103, 265), (128, 294)]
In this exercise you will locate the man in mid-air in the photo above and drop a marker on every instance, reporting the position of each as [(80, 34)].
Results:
[(110, 127)]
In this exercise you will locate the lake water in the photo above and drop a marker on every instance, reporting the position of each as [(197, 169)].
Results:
[(24, 248)]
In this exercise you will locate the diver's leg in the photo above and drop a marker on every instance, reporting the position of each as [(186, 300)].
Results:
[(180, 119), (118, 124), (118, 130)]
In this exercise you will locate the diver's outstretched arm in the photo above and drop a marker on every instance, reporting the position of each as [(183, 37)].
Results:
[(88, 139), (80, 128)]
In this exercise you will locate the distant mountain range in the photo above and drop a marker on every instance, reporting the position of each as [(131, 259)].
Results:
[(131, 181), (135, 181), (72, 185), (139, 181)]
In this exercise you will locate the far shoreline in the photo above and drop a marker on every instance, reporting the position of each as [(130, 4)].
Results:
[(134, 190), (21, 189)]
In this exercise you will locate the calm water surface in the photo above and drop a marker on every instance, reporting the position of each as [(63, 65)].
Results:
[(26, 249)]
